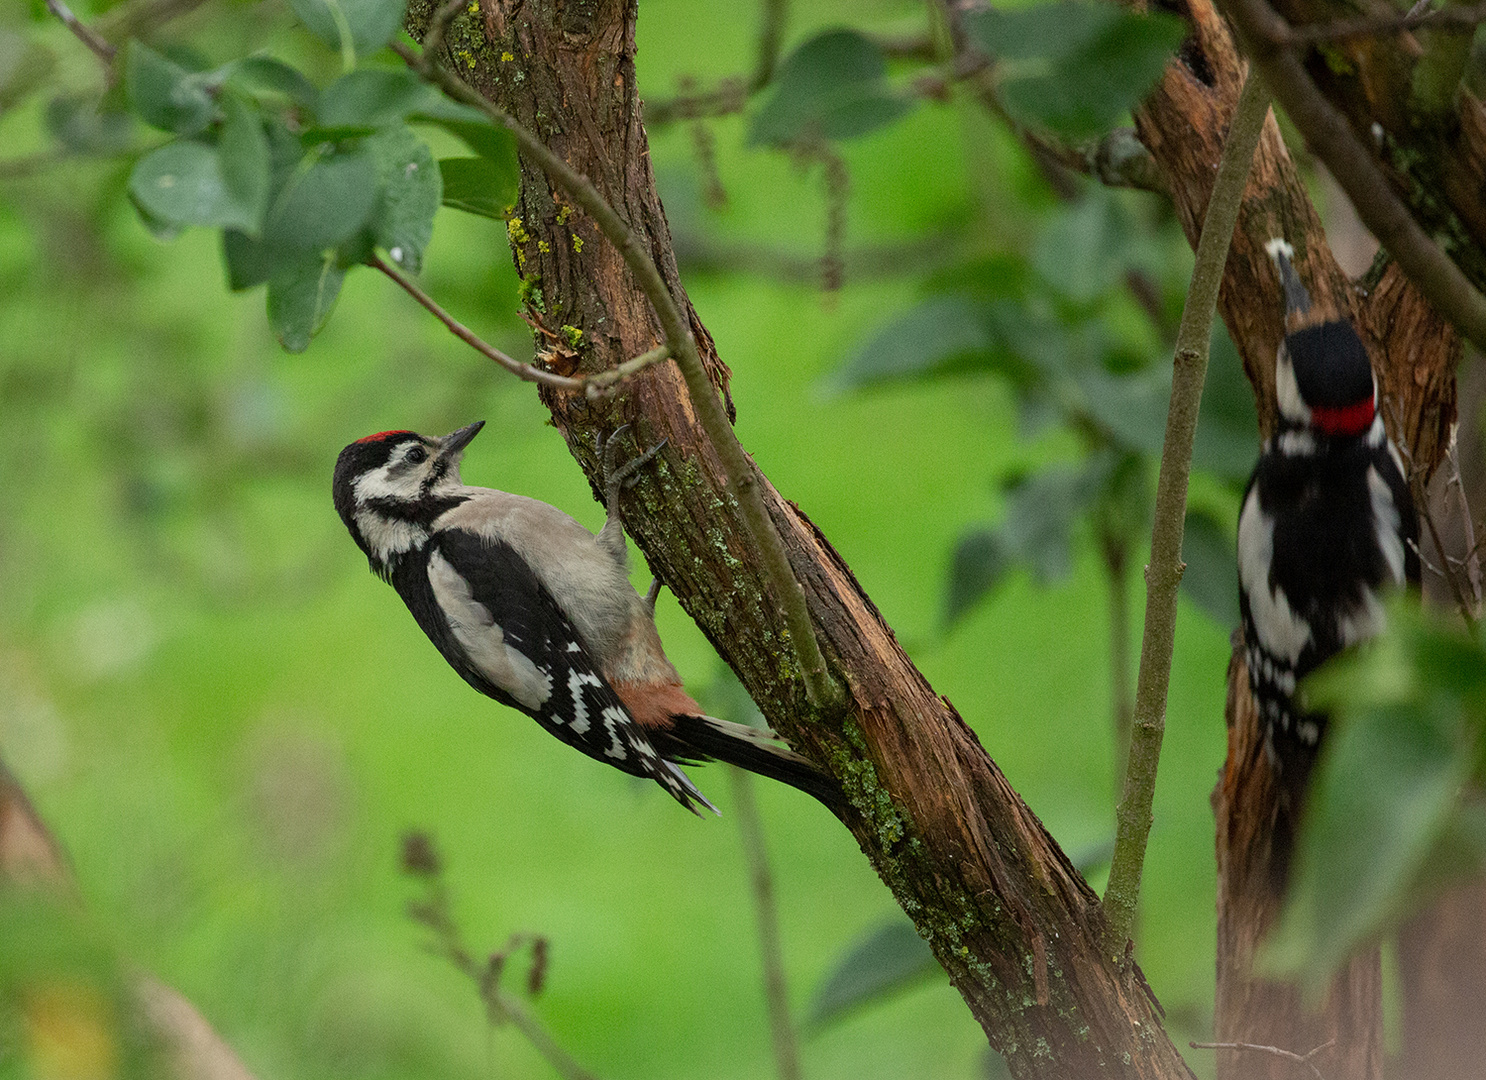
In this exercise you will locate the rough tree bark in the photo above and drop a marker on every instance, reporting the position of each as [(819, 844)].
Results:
[(1006, 914), (1414, 353)]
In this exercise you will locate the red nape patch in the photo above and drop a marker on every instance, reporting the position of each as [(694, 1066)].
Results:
[(383, 435), (1346, 420)]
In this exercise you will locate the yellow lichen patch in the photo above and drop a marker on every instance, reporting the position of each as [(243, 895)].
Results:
[(506, 57), (577, 244)]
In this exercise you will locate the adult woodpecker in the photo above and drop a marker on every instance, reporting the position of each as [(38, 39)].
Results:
[(535, 611), (1327, 527)]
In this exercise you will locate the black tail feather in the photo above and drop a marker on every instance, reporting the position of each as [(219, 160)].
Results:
[(706, 737)]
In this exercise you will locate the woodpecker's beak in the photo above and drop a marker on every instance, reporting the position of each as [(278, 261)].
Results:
[(455, 442)]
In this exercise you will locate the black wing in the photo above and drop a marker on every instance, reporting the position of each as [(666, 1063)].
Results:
[(504, 610)]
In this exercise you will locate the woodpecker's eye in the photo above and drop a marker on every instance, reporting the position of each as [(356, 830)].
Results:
[(416, 455)]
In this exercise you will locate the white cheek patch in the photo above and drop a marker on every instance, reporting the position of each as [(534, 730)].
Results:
[(389, 536), (482, 639), (382, 483), (1282, 633)]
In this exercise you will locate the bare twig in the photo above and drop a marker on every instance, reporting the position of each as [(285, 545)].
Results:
[(100, 48), (1418, 17), (1267, 39), (761, 878), (593, 385), (820, 688), (1164, 574), (730, 95), (1288, 1055), (420, 859)]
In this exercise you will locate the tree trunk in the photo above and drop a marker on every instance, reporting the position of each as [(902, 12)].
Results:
[(1008, 917), (1414, 353)]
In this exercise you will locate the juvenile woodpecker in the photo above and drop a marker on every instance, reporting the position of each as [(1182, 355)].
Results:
[(535, 611), (1327, 527)]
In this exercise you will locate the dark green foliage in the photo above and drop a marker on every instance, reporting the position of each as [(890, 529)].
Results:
[(1211, 578), (481, 185), (834, 86), (1396, 810), (355, 26), (1073, 67), (304, 182), (886, 959)]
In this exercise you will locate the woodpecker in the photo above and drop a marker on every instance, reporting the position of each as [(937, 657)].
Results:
[(1327, 527), (535, 611)]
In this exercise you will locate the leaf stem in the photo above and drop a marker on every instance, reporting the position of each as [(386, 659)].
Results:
[(1164, 574), (820, 688), (593, 385)]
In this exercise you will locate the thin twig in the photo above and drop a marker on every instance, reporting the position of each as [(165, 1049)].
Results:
[(420, 859), (1164, 574), (761, 878), (1288, 1055), (100, 48), (593, 385), (820, 688), (1463, 18), (1266, 38)]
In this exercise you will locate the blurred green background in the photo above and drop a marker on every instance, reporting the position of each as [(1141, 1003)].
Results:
[(229, 723)]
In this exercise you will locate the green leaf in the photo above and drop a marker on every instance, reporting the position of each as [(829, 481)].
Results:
[(1390, 817), (1211, 578), (249, 262), (479, 185), (242, 150), (263, 76), (183, 182), (1131, 408), (885, 960), (943, 334), (82, 126), (834, 86), (370, 24), (300, 298), (164, 94), (326, 200), (372, 98), (412, 189), (1228, 427), (1076, 68), (1087, 247), (979, 563)]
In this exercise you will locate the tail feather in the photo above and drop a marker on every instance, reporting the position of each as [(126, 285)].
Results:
[(748, 748)]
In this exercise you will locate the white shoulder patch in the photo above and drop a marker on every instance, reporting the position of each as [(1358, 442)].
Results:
[(482, 639), (1386, 521), (1282, 633)]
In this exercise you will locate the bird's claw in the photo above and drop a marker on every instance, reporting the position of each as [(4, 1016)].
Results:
[(625, 475)]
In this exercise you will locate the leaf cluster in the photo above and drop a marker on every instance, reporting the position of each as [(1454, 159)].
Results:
[(1397, 808), (1043, 327), (306, 182)]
